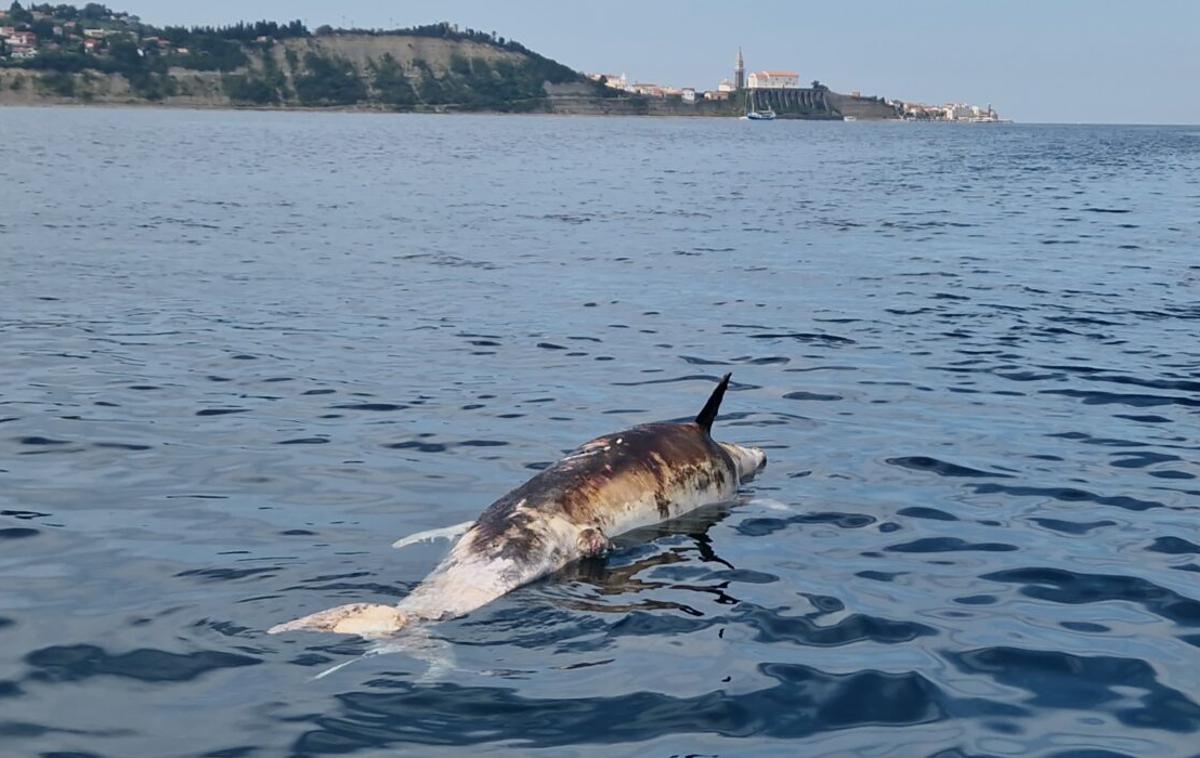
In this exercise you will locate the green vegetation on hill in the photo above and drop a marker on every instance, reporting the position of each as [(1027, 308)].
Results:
[(329, 81), (392, 85), (73, 42)]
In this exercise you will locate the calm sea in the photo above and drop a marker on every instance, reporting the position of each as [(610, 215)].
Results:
[(241, 353)]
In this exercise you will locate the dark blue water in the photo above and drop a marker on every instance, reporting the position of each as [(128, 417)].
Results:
[(240, 353)]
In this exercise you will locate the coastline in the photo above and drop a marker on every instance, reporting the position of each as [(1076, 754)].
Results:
[(206, 90), (441, 111), (180, 104), (148, 105)]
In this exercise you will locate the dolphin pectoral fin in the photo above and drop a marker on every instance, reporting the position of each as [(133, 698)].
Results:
[(594, 543), (416, 642), (444, 533), (364, 619)]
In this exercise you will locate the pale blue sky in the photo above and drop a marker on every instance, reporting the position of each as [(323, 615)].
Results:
[(1053, 60)]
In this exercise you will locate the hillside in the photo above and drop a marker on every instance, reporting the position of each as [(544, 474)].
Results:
[(112, 58)]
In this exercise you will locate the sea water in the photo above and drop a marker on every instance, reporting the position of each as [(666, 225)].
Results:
[(243, 352)]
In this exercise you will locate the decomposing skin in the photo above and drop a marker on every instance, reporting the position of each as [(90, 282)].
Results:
[(609, 486)]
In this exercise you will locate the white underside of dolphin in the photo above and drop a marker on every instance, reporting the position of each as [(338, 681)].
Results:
[(609, 486)]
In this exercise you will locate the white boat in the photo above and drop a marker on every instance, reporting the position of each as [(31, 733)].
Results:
[(849, 118), (753, 115)]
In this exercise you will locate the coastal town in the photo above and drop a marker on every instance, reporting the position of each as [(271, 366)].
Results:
[(45, 30), (771, 80), (41, 35)]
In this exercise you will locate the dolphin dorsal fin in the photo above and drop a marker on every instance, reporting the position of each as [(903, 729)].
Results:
[(709, 414)]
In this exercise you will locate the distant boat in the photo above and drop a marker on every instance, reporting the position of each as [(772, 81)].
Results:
[(753, 115), (849, 118)]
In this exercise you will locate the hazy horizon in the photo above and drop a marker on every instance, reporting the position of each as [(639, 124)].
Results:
[(1073, 62)]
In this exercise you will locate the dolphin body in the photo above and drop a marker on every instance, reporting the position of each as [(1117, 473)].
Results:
[(611, 485)]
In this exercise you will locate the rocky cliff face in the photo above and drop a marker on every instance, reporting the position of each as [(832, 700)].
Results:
[(387, 72), (363, 50)]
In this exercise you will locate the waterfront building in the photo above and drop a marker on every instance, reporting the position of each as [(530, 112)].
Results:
[(739, 72), (717, 95), (773, 80), (958, 111), (650, 90), (688, 94), (725, 86)]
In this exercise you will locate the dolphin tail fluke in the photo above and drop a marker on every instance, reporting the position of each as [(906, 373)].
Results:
[(709, 414), (445, 533)]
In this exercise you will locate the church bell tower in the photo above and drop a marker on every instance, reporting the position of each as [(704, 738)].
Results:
[(739, 72)]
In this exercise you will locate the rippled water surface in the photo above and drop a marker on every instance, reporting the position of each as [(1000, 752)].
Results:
[(242, 352)]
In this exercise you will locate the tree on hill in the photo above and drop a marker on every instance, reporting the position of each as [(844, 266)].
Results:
[(18, 15), (43, 28), (64, 12), (95, 12)]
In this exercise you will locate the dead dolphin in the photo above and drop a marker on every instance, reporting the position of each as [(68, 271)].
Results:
[(609, 486)]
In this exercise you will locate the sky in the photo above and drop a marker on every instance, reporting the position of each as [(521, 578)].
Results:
[(1072, 61)]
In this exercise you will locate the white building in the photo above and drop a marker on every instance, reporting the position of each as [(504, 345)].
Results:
[(649, 90), (958, 111), (22, 39), (773, 80), (725, 86), (689, 95), (616, 81)]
